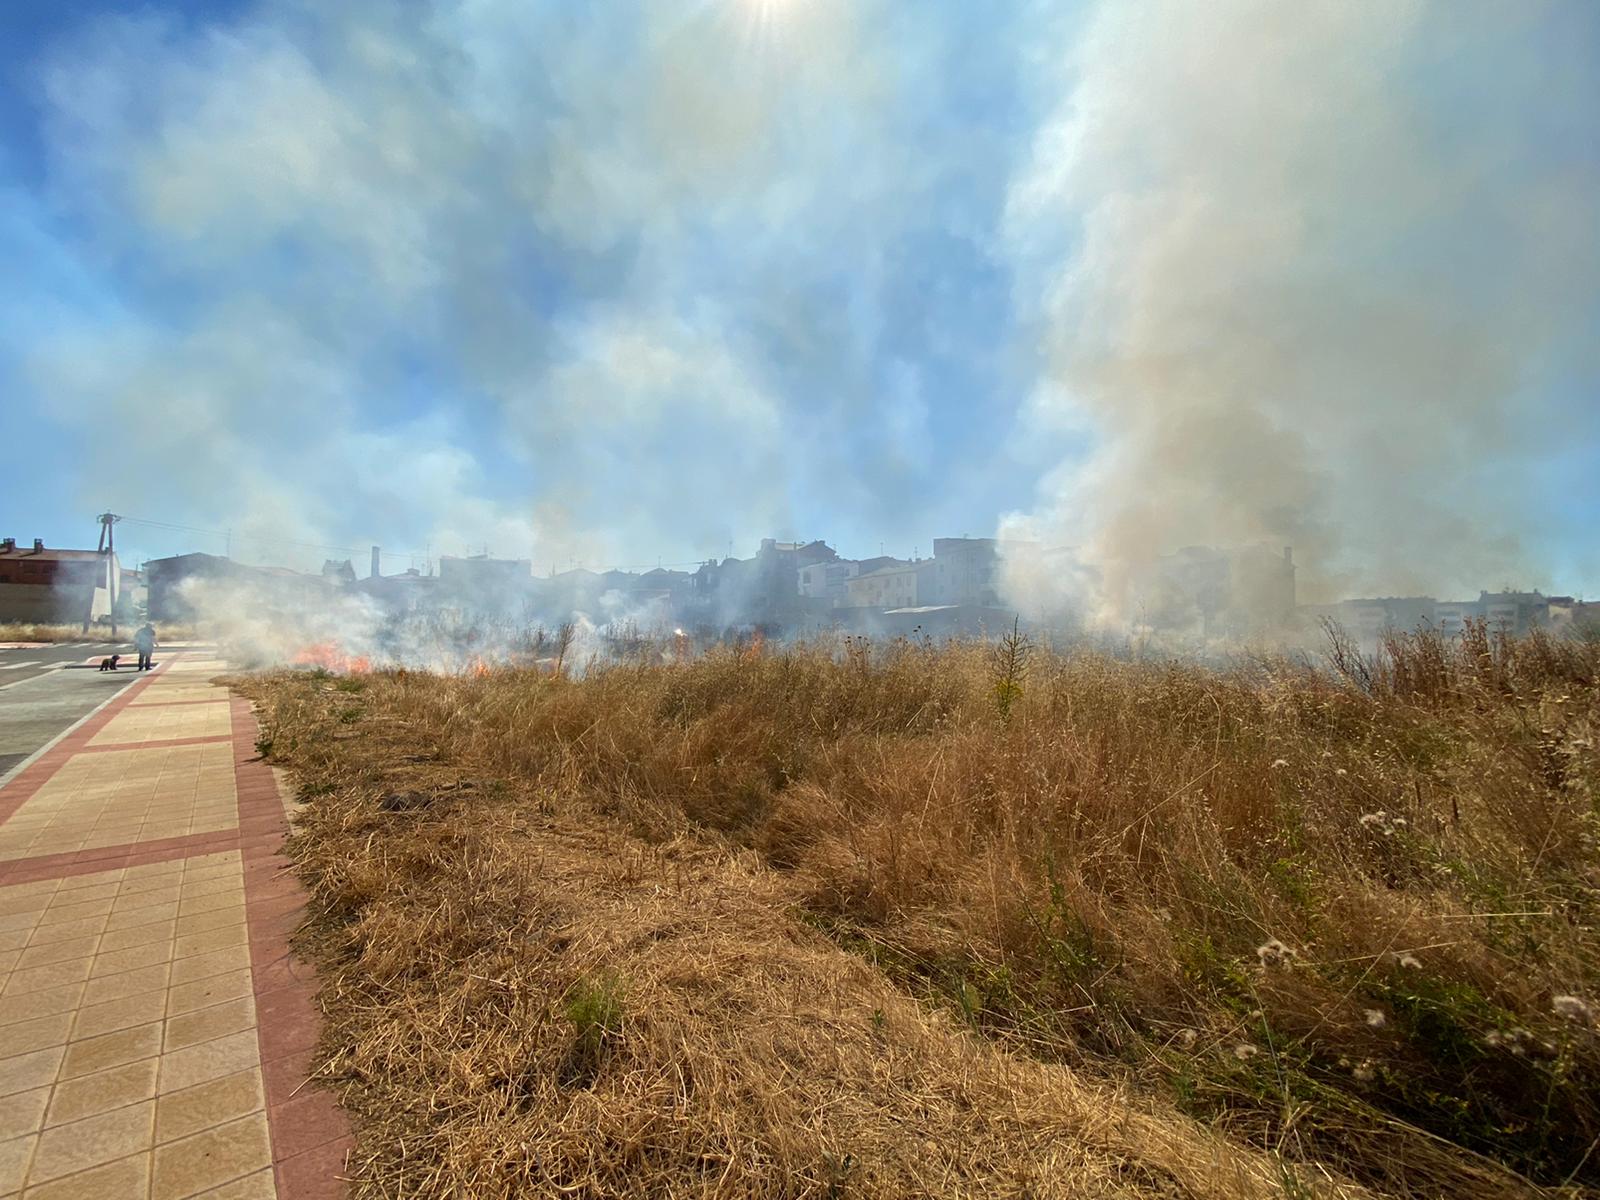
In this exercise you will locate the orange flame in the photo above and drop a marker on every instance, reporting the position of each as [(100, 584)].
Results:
[(329, 657)]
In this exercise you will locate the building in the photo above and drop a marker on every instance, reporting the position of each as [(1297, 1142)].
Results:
[(965, 571), (896, 586), (1370, 618), (43, 585), (190, 587), (760, 591), (339, 571), (826, 581), (485, 586), (400, 595)]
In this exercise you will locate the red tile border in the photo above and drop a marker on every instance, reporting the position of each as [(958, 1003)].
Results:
[(310, 1133), (158, 743)]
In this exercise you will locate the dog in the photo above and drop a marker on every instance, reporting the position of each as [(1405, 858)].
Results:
[(109, 664)]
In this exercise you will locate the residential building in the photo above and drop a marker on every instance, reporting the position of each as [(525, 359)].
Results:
[(896, 586), (45, 585), (187, 587), (826, 581), (965, 571)]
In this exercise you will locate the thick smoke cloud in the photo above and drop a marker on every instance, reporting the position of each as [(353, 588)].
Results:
[(1321, 274), (595, 283)]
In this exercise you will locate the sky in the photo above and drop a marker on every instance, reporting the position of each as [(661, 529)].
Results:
[(640, 283)]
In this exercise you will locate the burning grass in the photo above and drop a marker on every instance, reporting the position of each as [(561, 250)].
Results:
[(908, 920)]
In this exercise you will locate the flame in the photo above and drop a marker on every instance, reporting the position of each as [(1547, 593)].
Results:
[(329, 657), (478, 668)]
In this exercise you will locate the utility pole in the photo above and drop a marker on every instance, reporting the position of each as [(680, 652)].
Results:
[(107, 552)]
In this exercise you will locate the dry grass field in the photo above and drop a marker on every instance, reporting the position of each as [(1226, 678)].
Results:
[(914, 920), (23, 631)]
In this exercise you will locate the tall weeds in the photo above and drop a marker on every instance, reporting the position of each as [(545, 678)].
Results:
[(1344, 912)]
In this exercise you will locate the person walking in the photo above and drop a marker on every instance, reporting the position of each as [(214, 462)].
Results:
[(145, 643)]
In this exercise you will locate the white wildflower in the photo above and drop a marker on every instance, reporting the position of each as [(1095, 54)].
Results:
[(1278, 763), (1340, 771), (1186, 1039), (1409, 960), (1573, 1009), (1374, 818), (1244, 1051), (1363, 1072), (1375, 1018)]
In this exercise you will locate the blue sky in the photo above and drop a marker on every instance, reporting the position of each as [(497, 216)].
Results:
[(638, 282)]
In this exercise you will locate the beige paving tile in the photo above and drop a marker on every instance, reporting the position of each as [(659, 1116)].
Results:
[(14, 939), (134, 917), (93, 1142), (66, 931), (27, 902), (39, 1004), (115, 962), (140, 935), (219, 879), (215, 919), (100, 889), (213, 1157), (111, 1050), (204, 1024), (39, 979), (213, 1103), (209, 941), (129, 983), (14, 1156), (202, 993), (195, 1065), (141, 724), (252, 1187), (75, 909), (26, 1036), (23, 1112), (122, 1013), (126, 1179), (24, 1072), (165, 893), (18, 920), (50, 952), (217, 962), (90, 1095)]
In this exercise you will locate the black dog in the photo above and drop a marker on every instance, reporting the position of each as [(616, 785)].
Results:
[(109, 664)]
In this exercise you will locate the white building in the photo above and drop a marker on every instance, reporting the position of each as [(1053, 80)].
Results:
[(827, 580)]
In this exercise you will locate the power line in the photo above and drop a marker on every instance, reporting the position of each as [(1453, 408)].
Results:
[(229, 534)]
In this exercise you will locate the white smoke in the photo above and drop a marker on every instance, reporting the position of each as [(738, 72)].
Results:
[(1321, 274)]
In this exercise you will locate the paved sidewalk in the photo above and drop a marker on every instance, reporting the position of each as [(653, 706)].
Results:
[(155, 1033)]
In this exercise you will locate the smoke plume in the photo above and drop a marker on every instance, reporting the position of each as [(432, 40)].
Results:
[(1322, 275)]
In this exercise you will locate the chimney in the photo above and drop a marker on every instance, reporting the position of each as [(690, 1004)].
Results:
[(375, 556), (7, 545), (38, 545)]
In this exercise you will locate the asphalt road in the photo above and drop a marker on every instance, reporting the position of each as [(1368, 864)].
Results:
[(45, 690)]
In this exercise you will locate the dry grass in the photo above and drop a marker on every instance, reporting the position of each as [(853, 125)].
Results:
[(581, 943), (22, 631)]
